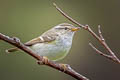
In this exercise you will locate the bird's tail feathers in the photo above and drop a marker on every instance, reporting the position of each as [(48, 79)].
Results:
[(12, 50)]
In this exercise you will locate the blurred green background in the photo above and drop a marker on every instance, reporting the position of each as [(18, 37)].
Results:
[(27, 19)]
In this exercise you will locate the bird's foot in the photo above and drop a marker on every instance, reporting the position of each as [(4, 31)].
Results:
[(64, 66), (43, 61)]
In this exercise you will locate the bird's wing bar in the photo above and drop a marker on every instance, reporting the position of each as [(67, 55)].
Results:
[(41, 39)]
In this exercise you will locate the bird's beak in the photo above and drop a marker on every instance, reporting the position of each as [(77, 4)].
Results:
[(75, 29)]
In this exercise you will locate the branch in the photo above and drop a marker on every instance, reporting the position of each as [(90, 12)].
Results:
[(100, 38), (98, 51), (16, 42)]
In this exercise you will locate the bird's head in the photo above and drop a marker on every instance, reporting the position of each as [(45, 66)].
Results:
[(65, 29)]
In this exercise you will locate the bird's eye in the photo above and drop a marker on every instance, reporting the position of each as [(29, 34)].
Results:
[(66, 28)]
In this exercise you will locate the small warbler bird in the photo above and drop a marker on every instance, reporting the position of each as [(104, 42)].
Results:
[(54, 43)]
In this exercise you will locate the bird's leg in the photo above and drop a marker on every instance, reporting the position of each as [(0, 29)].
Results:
[(43, 61), (64, 66)]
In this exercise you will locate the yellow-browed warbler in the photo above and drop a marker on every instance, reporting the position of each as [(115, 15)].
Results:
[(54, 43)]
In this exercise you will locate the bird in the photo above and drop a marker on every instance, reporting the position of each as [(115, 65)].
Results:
[(53, 44)]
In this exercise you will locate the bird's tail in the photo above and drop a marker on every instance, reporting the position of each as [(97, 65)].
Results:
[(12, 50)]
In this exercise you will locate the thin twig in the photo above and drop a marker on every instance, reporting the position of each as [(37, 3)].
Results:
[(100, 33), (16, 42), (99, 38), (68, 17), (98, 51)]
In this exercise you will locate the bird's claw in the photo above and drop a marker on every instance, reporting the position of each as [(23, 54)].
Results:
[(63, 67), (43, 61)]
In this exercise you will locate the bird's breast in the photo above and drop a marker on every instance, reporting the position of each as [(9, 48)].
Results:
[(55, 50), (65, 41)]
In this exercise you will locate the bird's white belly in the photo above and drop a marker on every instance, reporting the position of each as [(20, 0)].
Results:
[(52, 51)]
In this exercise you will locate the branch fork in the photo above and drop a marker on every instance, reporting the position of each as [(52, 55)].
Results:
[(111, 55), (16, 42)]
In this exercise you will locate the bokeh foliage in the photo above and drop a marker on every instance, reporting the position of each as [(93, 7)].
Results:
[(27, 19)]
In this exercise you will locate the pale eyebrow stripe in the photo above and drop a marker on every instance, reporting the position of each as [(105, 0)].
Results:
[(65, 25), (59, 28)]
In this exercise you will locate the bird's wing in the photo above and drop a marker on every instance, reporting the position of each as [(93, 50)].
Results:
[(45, 38)]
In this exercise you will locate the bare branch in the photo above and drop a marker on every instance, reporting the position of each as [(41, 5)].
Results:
[(111, 57), (16, 42), (99, 52), (86, 27), (100, 33), (99, 38), (68, 17)]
